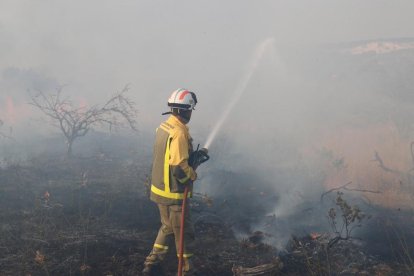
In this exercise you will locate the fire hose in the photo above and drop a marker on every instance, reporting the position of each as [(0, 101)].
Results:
[(196, 159)]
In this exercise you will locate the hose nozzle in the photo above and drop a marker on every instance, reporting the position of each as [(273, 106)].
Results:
[(198, 157)]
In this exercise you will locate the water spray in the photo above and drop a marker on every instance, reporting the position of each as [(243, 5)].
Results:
[(256, 58), (200, 156)]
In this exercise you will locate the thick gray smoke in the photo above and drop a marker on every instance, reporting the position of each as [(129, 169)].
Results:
[(336, 68)]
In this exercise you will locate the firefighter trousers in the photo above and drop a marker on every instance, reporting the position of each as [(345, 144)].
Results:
[(170, 229)]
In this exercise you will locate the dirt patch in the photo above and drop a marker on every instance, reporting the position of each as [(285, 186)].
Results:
[(93, 217)]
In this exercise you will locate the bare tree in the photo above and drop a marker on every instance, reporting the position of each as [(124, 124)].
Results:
[(75, 122)]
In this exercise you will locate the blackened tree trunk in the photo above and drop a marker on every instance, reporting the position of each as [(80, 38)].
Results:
[(69, 144), (75, 122)]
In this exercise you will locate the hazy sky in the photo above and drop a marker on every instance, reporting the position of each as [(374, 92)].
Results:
[(98, 46)]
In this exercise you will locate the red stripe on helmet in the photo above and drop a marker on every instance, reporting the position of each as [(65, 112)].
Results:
[(185, 92)]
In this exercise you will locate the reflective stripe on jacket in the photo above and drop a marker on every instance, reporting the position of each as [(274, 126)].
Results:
[(170, 169)]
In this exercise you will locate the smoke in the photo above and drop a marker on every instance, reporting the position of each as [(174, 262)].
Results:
[(315, 127), (321, 93), (267, 44)]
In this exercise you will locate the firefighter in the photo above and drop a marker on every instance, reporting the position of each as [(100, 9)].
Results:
[(170, 175)]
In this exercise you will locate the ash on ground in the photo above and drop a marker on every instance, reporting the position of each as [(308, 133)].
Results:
[(93, 217)]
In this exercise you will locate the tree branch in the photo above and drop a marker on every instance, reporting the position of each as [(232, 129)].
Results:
[(334, 189), (76, 122), (345, 187)]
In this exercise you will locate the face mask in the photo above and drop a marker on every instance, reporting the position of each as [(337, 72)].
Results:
[(185, 115)]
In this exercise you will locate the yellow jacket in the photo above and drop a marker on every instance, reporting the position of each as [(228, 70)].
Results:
[(181, 146), (170, 170)]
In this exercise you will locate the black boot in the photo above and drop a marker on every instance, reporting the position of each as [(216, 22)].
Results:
[(152, 269), (147, 270), (152, 263)]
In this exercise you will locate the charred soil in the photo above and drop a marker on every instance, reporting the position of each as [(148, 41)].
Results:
[(93, 217)]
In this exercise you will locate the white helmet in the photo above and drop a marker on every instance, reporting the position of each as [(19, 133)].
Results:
[(182, 99)]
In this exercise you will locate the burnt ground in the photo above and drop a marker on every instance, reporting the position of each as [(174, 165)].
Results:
[(93, 217)]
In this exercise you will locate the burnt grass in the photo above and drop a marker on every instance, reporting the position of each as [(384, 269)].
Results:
[(92, 216)]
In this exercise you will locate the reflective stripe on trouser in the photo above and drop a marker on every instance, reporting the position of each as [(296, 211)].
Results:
[(170, 229)]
